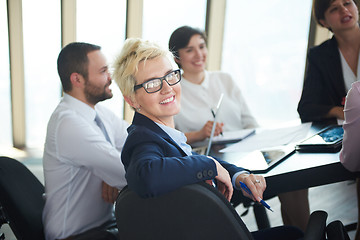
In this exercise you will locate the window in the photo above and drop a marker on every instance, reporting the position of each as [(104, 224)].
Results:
[(162, 17), (5, 120), (42, 44), (264, 50), (103, 23)]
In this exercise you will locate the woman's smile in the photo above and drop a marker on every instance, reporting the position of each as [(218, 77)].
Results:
[(168, 100)]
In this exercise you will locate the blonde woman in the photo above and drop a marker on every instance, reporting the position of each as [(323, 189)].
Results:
[(156, 157)]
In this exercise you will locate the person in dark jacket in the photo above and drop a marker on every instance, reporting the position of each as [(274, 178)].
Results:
[(332, 66)]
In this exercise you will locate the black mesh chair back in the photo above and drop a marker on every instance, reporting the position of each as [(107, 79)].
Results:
[(21, 199), (196, 211)]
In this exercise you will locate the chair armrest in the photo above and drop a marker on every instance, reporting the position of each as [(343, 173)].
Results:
[(336, 231), (315, 229)]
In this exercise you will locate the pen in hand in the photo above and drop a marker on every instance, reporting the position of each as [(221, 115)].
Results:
[(212, 112), (243, 186)]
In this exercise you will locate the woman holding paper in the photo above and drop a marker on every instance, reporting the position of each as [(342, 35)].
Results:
[(202, 90)]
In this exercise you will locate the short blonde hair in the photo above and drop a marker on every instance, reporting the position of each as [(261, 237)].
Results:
[(134, 51)]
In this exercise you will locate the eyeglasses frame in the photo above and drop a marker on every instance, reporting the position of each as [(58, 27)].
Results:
[(136, 87)]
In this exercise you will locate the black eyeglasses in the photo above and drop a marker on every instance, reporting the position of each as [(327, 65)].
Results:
[(155, 84)]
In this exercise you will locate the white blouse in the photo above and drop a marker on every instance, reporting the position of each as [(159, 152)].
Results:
[(198, 100), (349, 76)]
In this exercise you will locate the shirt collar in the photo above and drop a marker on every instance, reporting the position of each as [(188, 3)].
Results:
[(178, 137), (204, 84), (80, 107)]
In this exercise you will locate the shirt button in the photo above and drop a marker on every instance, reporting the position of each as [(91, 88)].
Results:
[(199, 175), (210, 173), (205, 173)]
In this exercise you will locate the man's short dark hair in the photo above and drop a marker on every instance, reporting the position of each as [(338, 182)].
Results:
[(73, 58)]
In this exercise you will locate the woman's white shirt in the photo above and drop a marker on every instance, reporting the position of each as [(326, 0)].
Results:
[(197, 100)]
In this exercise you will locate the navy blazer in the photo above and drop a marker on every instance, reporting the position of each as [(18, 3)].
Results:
[(324, 85), (155, 164)]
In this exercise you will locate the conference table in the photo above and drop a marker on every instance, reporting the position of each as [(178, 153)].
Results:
[(298, 171)]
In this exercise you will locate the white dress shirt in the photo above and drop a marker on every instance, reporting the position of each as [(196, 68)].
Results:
[(77, 159), (350, 152), (198, 100)]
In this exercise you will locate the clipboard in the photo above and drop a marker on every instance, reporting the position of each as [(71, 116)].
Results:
[(216, 111)]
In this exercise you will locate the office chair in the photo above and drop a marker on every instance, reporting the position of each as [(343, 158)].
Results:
[(21, 201), (196, 211)]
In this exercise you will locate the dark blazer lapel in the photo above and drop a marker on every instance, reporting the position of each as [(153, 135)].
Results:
[(334, 68), (141, 120)]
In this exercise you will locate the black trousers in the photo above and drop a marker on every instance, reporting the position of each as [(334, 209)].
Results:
[(107, 231)]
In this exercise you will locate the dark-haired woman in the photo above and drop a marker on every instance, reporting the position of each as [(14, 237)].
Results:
[(202, 90), (334, 65)]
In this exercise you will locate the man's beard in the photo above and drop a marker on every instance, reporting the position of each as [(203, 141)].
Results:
[(94, 95)]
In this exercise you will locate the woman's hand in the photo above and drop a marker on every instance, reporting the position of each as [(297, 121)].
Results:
[(224, 184), (204, 132), (337, 112), (255, 183)]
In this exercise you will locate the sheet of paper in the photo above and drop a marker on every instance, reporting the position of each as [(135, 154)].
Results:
[(233, 136), (270, 138), (252, 161)]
